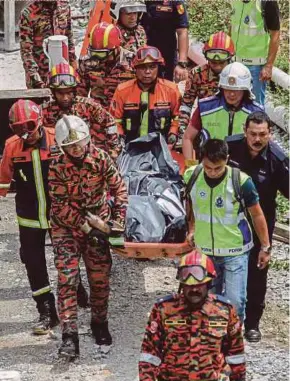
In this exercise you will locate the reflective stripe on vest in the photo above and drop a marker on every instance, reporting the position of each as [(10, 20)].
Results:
[(26, 222), (38, 178), (4, 186), (248, 33), (41, 291), (145, 113), (220, 226)]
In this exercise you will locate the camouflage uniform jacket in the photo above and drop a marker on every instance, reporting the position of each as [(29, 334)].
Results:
[(183, 345), (133, 39), (101, 80), (202, 82), (75, 190), (37, 23), (102, 125)]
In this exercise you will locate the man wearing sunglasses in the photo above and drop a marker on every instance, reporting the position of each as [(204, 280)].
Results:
[(148, 103), (26, 159), (39, 20), (203, 80), (193, 335), (63, 82), (225, 113), (103, 68), (128, 14)]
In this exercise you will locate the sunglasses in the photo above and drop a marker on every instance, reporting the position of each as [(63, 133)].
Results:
[(63, 80), (217, 55), (20, 129), (198, 272)]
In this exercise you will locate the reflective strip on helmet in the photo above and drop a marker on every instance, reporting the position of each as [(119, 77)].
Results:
[(145, 116), (36, 162), (26, 222), (221, 220), (41, 291), (151, 359), (236, 359), (226, 252), (112, 130), (251, 61), (106, 35), (5, 186)]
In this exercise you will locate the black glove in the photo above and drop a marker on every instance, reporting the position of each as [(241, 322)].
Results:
[(172, 139)]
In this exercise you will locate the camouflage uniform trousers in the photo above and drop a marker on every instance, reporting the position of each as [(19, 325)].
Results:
[(69, 245)]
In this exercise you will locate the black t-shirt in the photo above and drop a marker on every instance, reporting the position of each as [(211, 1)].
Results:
[(271, 14)]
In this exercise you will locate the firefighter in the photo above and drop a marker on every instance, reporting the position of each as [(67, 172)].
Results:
[(193, 335), (63, 81), (78, 182), (224, 114), (26, 159), (39, 20), (148, 103), (203, 80), (128, 14), (102, 69)]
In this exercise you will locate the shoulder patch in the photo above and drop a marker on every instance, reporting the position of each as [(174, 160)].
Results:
[(166, 298), (199, 68), (223, 300)]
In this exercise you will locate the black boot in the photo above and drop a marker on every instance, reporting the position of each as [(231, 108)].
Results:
[(47, 318), (69, 348), (253, 335), (101, 333), (82, 296)]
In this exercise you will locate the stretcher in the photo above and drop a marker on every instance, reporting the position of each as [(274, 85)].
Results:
[(156, 250)]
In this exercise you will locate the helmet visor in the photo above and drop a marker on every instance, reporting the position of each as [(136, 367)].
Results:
[(22, 128), (198, 273), (134, 9), (217, 55), (66, 80)]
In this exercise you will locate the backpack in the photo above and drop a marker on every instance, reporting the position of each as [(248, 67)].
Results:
[(235, 181)]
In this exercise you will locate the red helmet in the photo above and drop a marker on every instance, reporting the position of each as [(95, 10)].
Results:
[(25, 117), (63, 76), (219, 47), (104, 36), (195, 268), (147, 54)]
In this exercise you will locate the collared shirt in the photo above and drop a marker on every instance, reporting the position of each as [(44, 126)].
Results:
[(269, 171)]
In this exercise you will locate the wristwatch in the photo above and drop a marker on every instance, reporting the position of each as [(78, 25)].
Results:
[(182, 64), (266, 249)]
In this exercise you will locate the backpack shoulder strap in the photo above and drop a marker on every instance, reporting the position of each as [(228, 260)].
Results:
[(193, 178), (236, 179)]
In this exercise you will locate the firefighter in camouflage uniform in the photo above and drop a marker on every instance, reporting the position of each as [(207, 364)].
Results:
[(103, 68), (203, 80), (193, 335), (128, 14), (78, 182), (39, 20), (103, 130)]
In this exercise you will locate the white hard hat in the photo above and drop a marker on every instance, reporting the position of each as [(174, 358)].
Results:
[(236, 76), (71, 129), (128, 6)]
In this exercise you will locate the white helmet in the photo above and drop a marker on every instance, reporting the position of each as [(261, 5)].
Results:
[(236, 76), (129, 6), (71, 129)]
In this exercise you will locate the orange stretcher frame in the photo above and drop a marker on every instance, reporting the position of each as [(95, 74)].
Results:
[(100, 12), (156, 250)]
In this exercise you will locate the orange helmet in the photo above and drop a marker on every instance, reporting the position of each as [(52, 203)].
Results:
[(195, 268), (63, 76), (147, 54), (104, 37), (25, 117), (219, 47)]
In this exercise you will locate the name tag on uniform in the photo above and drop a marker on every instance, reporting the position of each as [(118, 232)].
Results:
[(164, 8), (131, 105), (217, 324), (162, 104), (175, 322)]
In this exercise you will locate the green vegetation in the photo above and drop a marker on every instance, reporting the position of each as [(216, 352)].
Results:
[(278, 264), (282, 209)]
